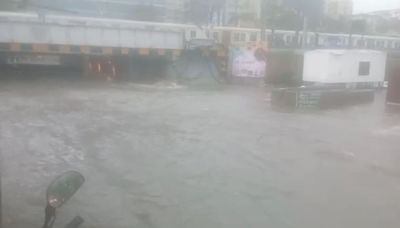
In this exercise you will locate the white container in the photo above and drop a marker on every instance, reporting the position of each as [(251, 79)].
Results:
[(344, 66)]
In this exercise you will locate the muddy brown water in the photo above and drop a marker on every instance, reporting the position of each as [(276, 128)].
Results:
[(161, 156)]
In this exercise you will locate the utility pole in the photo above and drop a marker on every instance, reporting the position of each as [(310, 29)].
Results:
[(1, 190), (236, 13), (305, 28), (350, 45), (1, 201), (263, 20)]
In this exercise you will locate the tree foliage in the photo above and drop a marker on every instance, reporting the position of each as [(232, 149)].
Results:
[(387, 25), (12, 5), (204, 12), (359, 26), (335, 25), (146, 13), (288, 14), (309, 8)]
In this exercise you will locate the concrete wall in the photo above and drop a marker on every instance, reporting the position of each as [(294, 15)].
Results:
[(46, 33)]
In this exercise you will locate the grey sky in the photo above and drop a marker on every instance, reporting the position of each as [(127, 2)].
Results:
[(362, 6)]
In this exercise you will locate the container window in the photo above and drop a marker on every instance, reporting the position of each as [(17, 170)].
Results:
[(364, 68)]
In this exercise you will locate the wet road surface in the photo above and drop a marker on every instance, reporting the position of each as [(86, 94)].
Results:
[(170, 158)]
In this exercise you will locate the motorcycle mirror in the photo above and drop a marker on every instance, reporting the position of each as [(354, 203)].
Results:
[(63, 188)]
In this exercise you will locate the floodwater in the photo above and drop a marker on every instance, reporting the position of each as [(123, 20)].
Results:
[(169, 157)]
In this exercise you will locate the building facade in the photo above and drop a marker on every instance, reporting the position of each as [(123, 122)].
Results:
[(243, 13), (338, 8), (381, 22)]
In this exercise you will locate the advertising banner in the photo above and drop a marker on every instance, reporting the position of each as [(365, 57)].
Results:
[(249, 60)]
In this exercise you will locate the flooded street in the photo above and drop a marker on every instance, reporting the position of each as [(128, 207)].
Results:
[(157, 157)]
